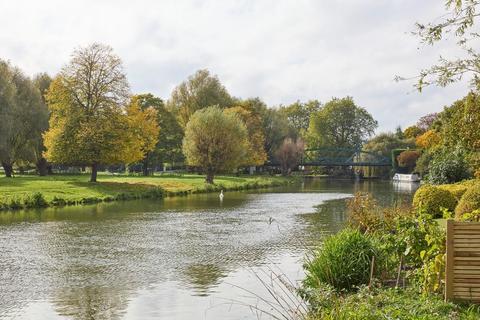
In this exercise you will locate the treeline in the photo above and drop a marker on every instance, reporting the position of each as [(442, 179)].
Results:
[(86, 116)]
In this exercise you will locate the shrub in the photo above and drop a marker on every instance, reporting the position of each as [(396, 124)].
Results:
[(35, 200), (469, 202), (431, 200), (448, 166), (56, 201), (343, 262)]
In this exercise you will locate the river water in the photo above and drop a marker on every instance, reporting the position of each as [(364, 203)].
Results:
[(192, 257)]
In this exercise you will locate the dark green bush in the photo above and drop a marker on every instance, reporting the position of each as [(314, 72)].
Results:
[(448, 166), (343, 262), (58, 201), (431, 200), (470, 201)]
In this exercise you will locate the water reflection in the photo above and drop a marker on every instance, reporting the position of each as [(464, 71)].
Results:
[(163, 259)]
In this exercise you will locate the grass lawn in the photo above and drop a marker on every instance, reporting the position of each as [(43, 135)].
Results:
[(76, 188)]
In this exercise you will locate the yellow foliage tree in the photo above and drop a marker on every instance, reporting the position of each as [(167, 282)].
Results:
[(428, 140), (89, 124), (255, 154)]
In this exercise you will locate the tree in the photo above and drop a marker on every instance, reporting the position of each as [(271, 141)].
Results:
[(426, 122), (289, 154), (408, 159), (276, 129), (383, 144), (428, 140), (412, 132), (458, 23), (88, 121), (201, 90), (215, 141), (143, 124), (340, 123), (298, 114), (22, 117), (256, 154), (42, 82)]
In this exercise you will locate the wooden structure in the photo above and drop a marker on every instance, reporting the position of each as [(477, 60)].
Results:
[(462, 265)]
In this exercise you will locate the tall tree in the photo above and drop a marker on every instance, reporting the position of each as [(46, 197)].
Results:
[(201, 90), (289, 154), (298, 114), (42, 82), (341, 123), (22, 116), (252, 120), (88, 122), (169, 145), (215, 140)]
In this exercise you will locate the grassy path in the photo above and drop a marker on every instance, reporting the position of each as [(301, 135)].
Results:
[(23, 191)]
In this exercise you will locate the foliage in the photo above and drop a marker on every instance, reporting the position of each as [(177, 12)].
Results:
[(340, 123), (255, 153), (289, 154), (457, 24), (88, 125), (23, 118), (423, 163), (470, 201), (298, 114), (408, 159), (431, 200), (428, 140), (199, 91), (215, 141), (343, 262), (276, 128), (384, 143), (426, 122), (412, 132), (448, 166), (387, 303), (459, 188)]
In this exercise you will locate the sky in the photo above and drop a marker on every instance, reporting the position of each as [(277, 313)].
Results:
[(279, 50)]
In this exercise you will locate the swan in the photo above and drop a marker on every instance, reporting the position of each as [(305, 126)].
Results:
[(221, 195)]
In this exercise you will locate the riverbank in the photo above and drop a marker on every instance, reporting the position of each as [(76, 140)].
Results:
[(24, 192)]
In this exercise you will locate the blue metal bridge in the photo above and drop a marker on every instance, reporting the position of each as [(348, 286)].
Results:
[(344, 157)]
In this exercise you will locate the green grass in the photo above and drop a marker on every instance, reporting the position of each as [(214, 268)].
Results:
[(390, 303), (75, 189)]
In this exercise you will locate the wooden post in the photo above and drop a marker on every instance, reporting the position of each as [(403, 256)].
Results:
[(449, 261)]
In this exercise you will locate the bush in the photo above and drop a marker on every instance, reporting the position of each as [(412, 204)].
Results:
[(35, 200), (448, 166), (431, 200), (343, 262), (469, 202)]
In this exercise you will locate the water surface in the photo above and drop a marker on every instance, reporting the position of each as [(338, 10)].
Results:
[(178, 258)]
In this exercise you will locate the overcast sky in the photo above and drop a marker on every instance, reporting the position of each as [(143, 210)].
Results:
[(280, 51)]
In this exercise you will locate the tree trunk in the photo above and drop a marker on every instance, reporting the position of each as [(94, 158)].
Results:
[(210, 176), (93, 177), (145, 166), (8, 167), (42, 167)]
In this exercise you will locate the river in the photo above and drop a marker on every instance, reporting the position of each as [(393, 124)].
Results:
[(193, 257)]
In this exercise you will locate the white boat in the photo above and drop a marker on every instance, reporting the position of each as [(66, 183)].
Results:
[(406, 177)]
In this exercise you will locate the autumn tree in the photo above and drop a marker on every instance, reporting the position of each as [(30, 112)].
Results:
[(23, 117), (143, 123), (412, 132), (408, 159), (340, 123), (290, 154), (255, 153), (201, 90), (89, 124), (215, 141)]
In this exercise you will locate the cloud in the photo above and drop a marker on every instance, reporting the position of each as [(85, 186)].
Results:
[(281, 51)]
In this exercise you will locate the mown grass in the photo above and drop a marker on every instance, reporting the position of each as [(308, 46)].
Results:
[(34, 191)]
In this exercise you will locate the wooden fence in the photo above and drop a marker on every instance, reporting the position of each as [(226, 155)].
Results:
[(462, 271)]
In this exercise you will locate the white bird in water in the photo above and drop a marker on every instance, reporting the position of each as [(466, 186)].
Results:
[(221, 195)]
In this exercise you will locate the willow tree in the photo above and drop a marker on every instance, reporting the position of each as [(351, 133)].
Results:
[(23, 117), (201, 90), (215, 141), (89, 124)]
